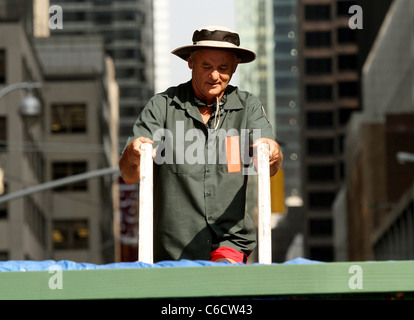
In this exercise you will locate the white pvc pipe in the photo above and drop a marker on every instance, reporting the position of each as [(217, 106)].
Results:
[(264, 205), (145, 221)]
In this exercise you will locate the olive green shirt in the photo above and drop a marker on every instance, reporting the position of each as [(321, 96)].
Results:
[(198, 205)]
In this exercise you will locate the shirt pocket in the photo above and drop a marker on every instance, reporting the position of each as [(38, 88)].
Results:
[(186, 169)]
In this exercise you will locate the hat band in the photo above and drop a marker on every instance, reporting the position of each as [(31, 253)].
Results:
[(208, 43), (216, 35)]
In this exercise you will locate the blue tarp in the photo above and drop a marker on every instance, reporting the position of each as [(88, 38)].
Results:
[(30, 265)]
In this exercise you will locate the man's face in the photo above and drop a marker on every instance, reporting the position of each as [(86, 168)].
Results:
[(212, 71)]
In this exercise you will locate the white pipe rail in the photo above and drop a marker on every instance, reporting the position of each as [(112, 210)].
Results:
[(264, 205), (145, 220)]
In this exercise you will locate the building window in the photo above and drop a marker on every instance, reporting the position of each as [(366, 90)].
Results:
[(349, 89), (321, 173), (70, 234), (315, 39), (4, 256), (320, 227), (346, 35), (342, 7), (286, 83), (318, 66), (283, 10), (347, 62), (321, 200), (321, 253), (103, 18), (65, 169), (320, 146), (3, 213), (68, 118), (319, 92), (318, 12), (345, 115), (284, 47), (317, 120), (2, 66), (3, 134)]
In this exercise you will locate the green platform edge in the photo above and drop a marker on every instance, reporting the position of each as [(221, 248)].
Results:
[(216, 281)]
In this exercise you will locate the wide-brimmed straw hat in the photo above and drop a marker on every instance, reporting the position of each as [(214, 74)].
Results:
[(215, 37)]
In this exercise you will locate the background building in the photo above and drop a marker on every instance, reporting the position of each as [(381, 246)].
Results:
[(270, 29), (127, 30), (329, 93), (76, 132), (24, 222), (80, 130), (287, 110), (378, 189)]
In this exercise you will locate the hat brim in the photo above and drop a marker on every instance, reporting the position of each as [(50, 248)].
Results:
[(245, 55)]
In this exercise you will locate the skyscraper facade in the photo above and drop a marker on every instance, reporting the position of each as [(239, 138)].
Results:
[(287, 102), (127, 28), (329, 93)]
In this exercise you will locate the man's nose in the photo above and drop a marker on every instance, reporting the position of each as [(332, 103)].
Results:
[(215, 75)]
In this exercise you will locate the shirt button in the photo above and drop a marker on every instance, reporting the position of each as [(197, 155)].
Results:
[(208, 194), (208, 170), (210, 218)]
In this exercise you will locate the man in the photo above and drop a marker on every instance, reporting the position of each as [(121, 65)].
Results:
[(199, 199)]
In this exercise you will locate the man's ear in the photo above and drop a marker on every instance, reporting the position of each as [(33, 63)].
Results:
[(236, 64), (190, 62)]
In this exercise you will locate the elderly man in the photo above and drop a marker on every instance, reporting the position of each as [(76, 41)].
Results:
[(199, 199)]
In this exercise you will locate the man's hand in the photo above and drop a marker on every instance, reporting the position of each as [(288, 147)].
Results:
[(131, 159), (275, 154)]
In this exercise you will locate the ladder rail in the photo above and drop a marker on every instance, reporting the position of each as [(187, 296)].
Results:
[(145, 221), (264, 205)]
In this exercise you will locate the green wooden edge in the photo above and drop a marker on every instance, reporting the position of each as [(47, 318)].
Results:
[(216, 281)]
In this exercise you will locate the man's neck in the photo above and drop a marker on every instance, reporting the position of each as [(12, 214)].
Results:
[(207, 100)]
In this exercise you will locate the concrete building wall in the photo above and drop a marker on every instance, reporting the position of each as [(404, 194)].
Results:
[(30, 225), (20, 170), (378, 202)]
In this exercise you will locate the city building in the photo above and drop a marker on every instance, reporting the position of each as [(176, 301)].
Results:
[(270, 29), (81, 134), (127, 30), (378, 191), (76, 132), (24, 221), (254, 25), (288, 234), (287, 102), (329, 93)]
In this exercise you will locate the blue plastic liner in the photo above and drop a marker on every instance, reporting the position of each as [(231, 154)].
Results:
[(30, 265)]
